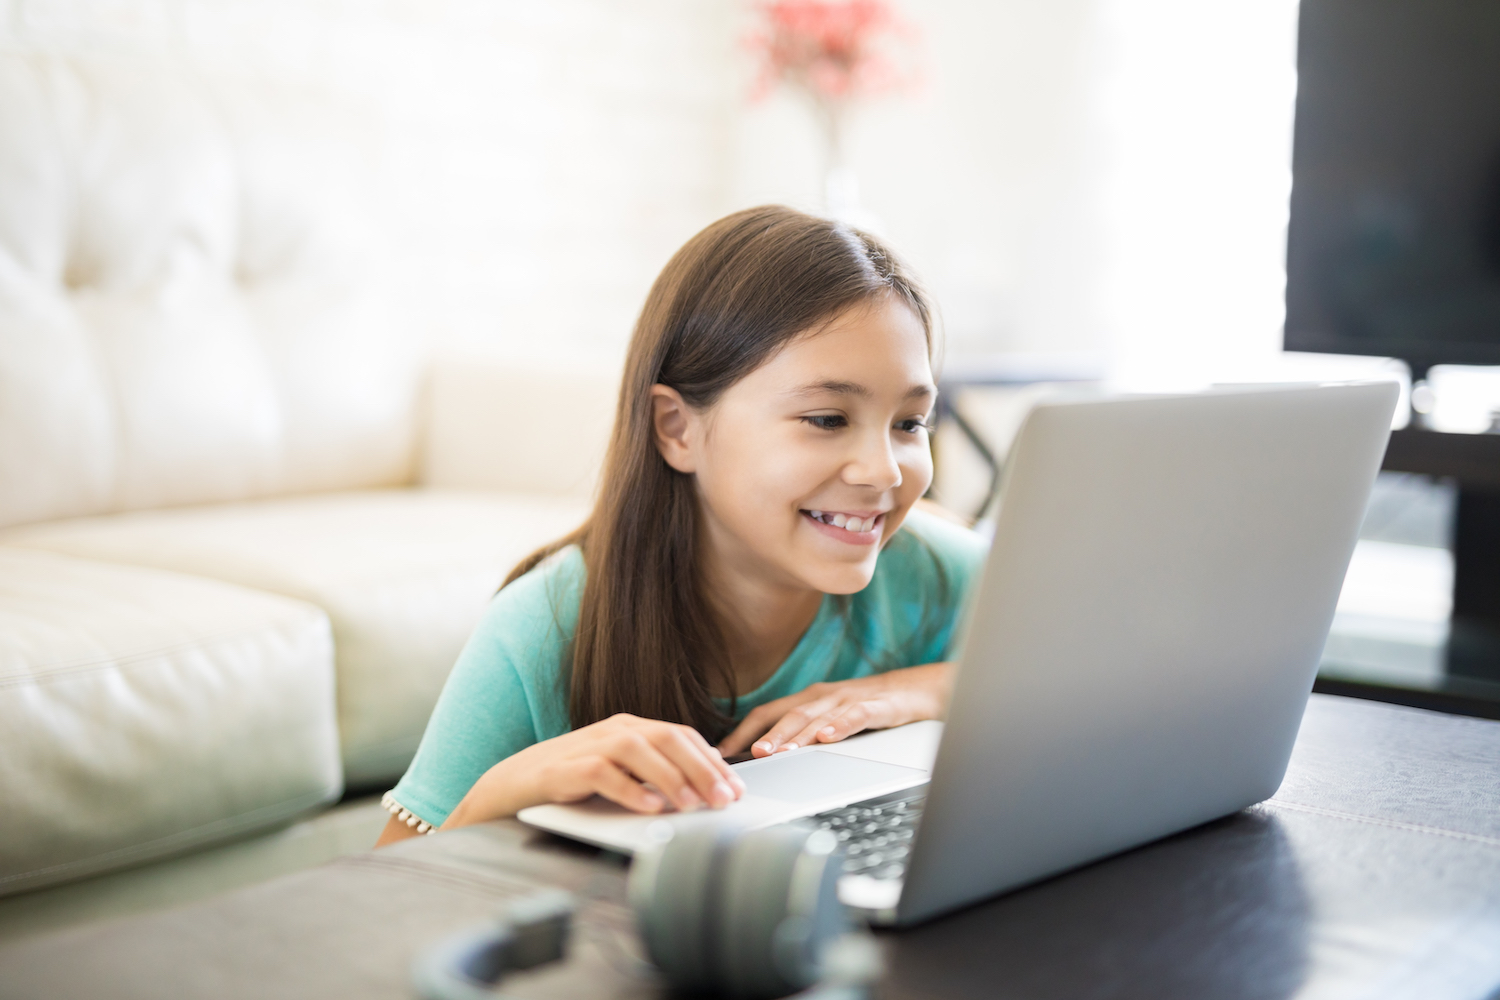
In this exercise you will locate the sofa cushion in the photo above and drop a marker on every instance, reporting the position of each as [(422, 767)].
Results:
[(192, 306), (403, 574), (143, 713)]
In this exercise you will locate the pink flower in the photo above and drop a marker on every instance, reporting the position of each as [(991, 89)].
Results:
[(837, 50)]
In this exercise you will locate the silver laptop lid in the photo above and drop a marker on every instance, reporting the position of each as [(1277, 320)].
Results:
[(1140, 652)]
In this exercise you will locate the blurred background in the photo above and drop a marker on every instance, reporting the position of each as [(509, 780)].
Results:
[(1095, 178)]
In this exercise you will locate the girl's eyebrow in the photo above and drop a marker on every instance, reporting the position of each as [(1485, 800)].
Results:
[(922, 390)]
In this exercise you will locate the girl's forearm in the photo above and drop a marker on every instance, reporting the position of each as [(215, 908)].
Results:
[(498, 793), (493, 796)]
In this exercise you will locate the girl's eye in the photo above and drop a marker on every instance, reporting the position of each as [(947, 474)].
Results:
[(827, 421), (912, 425)]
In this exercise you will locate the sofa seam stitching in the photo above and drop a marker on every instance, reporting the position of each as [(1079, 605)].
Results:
[(135, 659)]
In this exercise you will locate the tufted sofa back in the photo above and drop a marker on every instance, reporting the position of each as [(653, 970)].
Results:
[(191, 299)]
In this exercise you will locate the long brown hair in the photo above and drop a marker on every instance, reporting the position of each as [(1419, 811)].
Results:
[(648, 641)]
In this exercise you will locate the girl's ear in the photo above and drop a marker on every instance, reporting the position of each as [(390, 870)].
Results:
[(674, 424)]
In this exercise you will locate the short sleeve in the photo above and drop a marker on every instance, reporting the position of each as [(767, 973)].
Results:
[(931, 576), (506, 691), (963, 553)]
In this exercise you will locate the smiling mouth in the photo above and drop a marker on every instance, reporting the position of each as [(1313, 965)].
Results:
[(851, 523)]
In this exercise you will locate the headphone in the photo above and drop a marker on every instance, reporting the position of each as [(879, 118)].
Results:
[(751, 915)]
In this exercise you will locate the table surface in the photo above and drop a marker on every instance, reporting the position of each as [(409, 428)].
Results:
[(1374, 871)]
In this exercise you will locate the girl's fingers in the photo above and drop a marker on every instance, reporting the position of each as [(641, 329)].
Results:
[(839, 724), (604, 777), (781, 736), (705, 772), (756, 723), (634, 752), (717, 760), (738, 740)]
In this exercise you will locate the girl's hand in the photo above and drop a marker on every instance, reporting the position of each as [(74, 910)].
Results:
[(827, 713), (614, 758)]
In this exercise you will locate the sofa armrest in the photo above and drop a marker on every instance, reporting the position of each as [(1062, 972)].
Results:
[(517, 426)]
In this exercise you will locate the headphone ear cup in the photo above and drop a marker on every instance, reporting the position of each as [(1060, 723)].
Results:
[(777, 906), (671, 891)]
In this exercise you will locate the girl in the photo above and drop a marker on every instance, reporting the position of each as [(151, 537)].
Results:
[(753, 573)]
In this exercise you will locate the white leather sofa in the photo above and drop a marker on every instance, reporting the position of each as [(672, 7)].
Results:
[(246, 520)]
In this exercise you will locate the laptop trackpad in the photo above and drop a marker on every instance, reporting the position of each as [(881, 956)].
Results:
[(805, 777)]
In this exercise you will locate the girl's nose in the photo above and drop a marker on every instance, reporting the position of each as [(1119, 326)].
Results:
[(874, 464)]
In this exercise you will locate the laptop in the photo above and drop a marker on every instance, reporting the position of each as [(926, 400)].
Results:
[(1136, 660)]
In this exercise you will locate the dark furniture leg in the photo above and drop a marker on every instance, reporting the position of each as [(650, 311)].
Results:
[(1474, 644)]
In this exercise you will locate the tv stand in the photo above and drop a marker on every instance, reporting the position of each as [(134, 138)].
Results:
[(1472, 682), (1474, 645)]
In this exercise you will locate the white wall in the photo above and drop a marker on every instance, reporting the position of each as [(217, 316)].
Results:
[(983, 177), (1197, 101), (1103, 176)]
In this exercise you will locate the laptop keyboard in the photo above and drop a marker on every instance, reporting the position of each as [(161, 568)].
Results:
[(876, 833)]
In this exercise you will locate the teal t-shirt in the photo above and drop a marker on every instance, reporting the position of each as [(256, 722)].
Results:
[(508, 689)]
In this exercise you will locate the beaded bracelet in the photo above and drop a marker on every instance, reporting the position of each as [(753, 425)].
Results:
[(405, 815)]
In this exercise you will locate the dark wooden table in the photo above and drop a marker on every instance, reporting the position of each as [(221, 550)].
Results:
[(1373, 872)]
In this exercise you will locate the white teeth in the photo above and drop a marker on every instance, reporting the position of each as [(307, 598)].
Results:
[(845, 521)]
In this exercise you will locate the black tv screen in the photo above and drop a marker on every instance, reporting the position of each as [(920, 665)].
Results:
[(1394, 241)]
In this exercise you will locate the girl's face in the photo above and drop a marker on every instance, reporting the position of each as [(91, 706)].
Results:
[(806, 466)]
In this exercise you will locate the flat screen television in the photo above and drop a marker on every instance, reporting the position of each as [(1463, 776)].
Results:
[(1393, 249), (1394, 242)]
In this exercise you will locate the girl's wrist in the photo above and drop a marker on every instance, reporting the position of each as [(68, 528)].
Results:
[(496, 795), (936, 689)]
